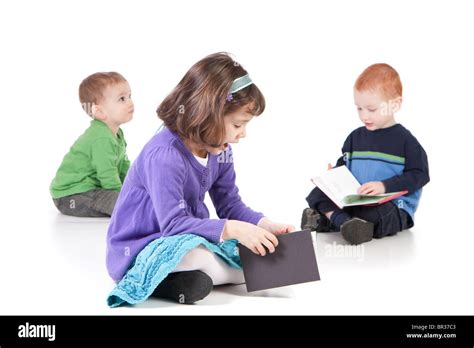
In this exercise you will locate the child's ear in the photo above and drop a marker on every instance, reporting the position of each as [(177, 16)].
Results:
[(97, 112), (396, 104)]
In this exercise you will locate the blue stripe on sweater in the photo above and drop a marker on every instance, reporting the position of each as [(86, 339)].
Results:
[(366, 170)]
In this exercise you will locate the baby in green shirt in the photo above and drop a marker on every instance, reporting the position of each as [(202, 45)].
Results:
[(91, 174)]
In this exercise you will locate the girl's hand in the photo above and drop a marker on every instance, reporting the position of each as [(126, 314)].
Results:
[(253, 237), (275, 227), (372, 188)]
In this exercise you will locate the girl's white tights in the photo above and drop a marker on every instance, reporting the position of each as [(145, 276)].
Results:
[(202, 259)]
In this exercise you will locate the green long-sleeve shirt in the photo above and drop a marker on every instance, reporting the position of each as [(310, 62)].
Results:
[(97, 159)]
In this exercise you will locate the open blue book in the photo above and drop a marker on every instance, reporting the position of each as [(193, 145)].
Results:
[(341, 187)]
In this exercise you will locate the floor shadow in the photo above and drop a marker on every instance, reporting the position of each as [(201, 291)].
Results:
[(332, 249), (240, 290)]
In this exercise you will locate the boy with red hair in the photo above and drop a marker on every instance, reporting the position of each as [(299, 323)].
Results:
[(384, 157)]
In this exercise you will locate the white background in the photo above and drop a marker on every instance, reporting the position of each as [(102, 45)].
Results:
[(305, 57)]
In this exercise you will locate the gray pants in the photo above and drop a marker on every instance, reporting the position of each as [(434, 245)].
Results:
[(95, 203)]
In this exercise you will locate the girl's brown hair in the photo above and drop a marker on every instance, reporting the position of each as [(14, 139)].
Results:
[(195, 109)]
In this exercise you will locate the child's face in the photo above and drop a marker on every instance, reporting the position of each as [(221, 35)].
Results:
[(375, 111), (117, 106), (235, 128)]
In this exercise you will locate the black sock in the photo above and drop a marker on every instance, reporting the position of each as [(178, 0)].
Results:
[(338, 218), (184, 287)]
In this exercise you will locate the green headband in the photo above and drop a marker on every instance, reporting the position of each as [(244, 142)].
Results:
[(240, 83)]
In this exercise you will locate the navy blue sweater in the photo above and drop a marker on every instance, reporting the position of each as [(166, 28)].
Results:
[(391, 155)]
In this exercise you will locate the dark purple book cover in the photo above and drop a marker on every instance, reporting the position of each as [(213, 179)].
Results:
[(293, 262)]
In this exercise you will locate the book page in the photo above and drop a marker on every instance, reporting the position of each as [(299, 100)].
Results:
[(337, 183), (364, 199), (367, 199)]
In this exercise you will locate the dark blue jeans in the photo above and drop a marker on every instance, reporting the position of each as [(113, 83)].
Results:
[(387, 218)]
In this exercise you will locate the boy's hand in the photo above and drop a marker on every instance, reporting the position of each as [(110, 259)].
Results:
[(253, 237), (329, 166), (275, 227), (372, 188)]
